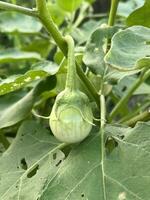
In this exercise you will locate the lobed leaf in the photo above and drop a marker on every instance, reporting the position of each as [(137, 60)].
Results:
[(130, 49)]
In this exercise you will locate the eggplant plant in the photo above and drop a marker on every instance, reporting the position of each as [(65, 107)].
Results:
[(74, 100)]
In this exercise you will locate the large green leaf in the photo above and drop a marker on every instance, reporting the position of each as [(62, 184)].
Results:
[(140, 16), (38, 71), (29, 164), (15, 107), (123, 174), (13, 55), (69, 5), (130, 49), (96, 49), (12, 22)]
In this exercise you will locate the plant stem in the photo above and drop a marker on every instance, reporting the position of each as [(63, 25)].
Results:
[(12, 7), (129, 93), (71, 81), (102, 132), (113, 11), (47, 21), (141, 117)]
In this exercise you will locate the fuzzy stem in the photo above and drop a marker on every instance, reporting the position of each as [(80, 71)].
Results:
[(113, 11), (141, 117), (47, 21), (102, 132), (71, 81), (129, 93), (12, 7)]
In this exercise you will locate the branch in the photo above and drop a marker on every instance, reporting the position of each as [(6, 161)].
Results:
[(20, 9), (52, 29), (141, 117), (129, 93)]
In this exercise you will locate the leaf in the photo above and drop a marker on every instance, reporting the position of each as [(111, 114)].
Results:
[(127, 7), (125, 170), (41, 46), (140, 16), (13, 55), (96, 47), (38, 71), (83, 33), (128, 48), (15, 107), (69, 5), (29, 164), (58, 15), (12, 22)]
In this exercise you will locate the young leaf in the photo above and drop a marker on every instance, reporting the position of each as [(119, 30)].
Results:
[(29, 164), (69, 5), (128, 48)]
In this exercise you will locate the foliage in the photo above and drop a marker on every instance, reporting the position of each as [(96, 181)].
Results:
[(95, 85)]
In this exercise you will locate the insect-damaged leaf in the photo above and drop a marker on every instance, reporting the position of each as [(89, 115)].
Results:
[(29, 164), (126, 170)]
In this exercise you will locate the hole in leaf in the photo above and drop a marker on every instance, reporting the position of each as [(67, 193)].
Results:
[(33, 172), (59, 162), (82, 195), (54, 156), (124, 88), (23, 164)]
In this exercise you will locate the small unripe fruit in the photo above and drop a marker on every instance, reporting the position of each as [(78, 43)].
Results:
[(71, 117)]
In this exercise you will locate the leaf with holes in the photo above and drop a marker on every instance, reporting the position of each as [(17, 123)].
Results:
[(130, 49), (38, 71), (29, 164), (15, 107), (12, 22), (122, 174), (96, 49)]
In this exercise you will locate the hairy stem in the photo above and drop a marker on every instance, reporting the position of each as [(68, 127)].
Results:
[(113, 11), (47, 21), (71, 81), (102, 131), (43, 14), (129, 93), (20, 9)]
